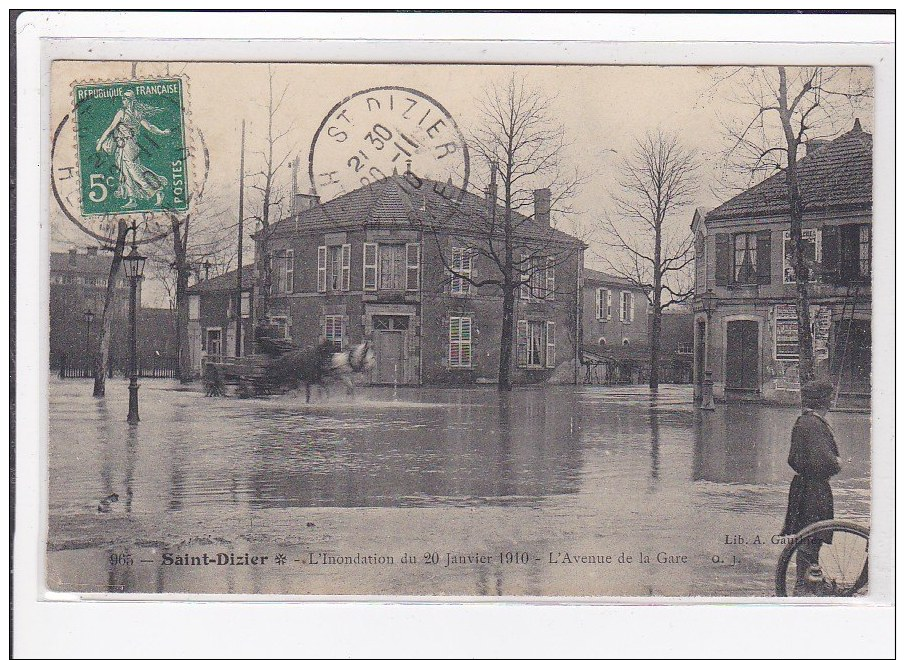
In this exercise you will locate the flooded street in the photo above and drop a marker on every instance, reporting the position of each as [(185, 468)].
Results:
[(556, 491)]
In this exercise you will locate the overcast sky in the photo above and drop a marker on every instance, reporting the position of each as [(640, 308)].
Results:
[(603, 109)]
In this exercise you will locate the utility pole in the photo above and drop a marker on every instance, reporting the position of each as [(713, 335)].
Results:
[(239, 269)]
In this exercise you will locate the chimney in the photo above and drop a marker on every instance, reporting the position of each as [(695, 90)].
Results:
[(490, 194), (72, 253), (300, 201), (813, 145), (857, 127), (542, 207), (92, 251)]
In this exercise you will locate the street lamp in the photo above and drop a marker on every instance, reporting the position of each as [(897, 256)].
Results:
[(134, 265), (708, 304), (89, 316)]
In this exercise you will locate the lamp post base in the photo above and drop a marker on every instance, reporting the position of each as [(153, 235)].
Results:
[(133, 401)]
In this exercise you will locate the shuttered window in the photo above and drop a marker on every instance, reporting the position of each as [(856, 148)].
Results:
[(333, 331), (460, 341), (461, 265), (604, 304), (627, 307)]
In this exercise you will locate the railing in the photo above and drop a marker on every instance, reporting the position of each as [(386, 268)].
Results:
[(153, 369)]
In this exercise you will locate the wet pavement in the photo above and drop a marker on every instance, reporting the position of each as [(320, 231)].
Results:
[(557, 491)]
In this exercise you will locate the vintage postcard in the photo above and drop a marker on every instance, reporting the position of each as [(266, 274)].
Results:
[(460, 330)]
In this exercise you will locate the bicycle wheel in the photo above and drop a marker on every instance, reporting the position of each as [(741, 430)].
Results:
[(843, 562)]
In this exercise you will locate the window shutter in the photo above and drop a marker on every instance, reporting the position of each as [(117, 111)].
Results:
[(831, 254), (346, 266), (465, 340), (598, 303), (723, 258), (551, 278), (609, 304), (521, 344), (551, 344), (369, 282), (412, 266), (322, 268), (525, 289), (764, 242), (631, 307)]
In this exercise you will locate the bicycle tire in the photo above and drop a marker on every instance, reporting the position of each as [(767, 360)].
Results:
[(811, 530)]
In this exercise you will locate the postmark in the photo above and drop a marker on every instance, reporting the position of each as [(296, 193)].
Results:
[(385, 131), (131, 144)]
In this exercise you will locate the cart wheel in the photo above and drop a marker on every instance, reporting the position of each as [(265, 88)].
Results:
[(842, 549)]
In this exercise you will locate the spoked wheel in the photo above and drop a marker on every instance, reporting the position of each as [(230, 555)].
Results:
[(841, 549)]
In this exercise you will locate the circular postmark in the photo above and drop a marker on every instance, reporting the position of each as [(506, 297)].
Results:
[(122, 154), (385, 131)]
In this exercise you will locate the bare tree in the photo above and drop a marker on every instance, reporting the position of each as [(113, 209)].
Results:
[(646, 243), (524, 149), (267, 182), (790, 106)]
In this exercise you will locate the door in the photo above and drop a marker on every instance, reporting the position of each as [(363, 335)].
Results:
[(742, 364), (390, 368)]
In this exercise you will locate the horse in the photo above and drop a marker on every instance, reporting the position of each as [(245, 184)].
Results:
[(319, 365)]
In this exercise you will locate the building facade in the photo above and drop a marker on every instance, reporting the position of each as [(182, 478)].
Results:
[(676, 345), (745, 322), (615, 329), (78, 289), (212, 317), (396, 265)]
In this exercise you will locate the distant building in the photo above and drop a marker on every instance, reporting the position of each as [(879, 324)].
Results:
[(676, 345), (748, 338), (615, 329), (78, 285), (372, 265), (212, 317)]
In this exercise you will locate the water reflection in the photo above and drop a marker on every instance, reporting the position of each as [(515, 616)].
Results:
[(514, 448)]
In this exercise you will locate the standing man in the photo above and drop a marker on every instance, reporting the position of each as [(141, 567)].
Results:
[(815, 458)]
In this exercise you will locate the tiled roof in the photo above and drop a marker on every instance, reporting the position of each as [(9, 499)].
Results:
[(837, 175), (599, 277), (393, 203), (225, 282)]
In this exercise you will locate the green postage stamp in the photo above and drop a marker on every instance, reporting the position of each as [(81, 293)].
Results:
[(131, 146)]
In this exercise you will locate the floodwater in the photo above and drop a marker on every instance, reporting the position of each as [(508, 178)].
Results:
[(557, 491)]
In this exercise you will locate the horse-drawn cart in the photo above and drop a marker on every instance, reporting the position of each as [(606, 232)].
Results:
[(252, 375)]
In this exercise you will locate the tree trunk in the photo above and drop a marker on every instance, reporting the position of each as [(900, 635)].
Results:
[(802, 275), (102, 354), (505, 373), (654, 380), (180, 248)]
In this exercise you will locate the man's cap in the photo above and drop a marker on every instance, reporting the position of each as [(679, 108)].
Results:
[(816, 392)]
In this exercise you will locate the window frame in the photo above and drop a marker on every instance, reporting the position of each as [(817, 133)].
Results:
[(818, 254), (329, 326), (458, 286), (751, 250)]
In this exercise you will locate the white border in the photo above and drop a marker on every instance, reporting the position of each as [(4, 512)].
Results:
[(103, 628)]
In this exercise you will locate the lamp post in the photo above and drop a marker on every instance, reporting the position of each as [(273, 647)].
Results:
[(134, 265), (708, 303), (89, 316)]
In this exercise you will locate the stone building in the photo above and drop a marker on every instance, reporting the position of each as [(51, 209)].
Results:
[(615, 329), (378, 264), (745, 323)]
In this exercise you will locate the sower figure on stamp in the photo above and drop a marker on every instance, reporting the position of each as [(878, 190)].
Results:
[(815, 458), (121, 140)]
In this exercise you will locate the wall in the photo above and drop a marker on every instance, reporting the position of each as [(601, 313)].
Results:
[(614, 330)]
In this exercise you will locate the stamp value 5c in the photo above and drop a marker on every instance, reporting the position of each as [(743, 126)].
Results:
[(131, 146)]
